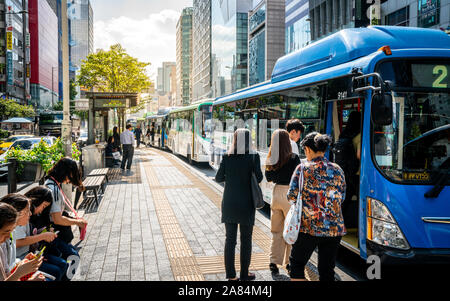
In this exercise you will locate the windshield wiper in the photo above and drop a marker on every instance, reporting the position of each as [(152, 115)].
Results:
[(441, 180)]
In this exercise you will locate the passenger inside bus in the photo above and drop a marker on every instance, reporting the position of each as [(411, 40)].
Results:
[(347, 154)]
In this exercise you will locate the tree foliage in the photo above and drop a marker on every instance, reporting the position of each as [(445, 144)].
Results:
[(10, 108), (114, 71)]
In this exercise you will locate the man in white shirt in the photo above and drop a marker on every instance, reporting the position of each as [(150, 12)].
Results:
[(295, 129), (127, 139)]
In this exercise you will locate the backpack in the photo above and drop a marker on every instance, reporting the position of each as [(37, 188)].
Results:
[(345, 156)]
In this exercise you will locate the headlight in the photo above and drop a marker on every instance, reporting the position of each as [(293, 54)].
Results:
[(382, 227)]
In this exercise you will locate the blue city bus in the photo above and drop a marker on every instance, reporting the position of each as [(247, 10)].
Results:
[(398, 79)]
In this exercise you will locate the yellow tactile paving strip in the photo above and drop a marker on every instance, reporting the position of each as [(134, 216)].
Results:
[(185, 266), (182, 261)]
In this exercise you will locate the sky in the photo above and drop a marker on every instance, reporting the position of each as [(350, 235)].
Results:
[(145, 28)]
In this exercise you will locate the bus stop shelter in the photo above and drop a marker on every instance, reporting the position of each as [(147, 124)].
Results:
[(104, 107)]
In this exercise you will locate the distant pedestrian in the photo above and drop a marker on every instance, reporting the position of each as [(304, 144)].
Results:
[(322, 223), (138, 134), (116, 144), (295, 129), (238, 208), (280, 166), (126, 139)]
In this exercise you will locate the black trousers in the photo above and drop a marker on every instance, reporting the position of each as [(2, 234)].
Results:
[(230, 249), (128, 152), (303, 249)]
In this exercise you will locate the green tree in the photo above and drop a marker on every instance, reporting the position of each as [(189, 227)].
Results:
[(114, 71), (10, 108)]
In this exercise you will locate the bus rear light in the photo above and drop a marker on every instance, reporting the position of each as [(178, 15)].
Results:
[(382, 227), (386, 49)]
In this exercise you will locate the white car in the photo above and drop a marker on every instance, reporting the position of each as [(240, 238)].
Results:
[(25, 144)]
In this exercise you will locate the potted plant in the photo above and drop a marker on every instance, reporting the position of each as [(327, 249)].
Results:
[(35, 163)]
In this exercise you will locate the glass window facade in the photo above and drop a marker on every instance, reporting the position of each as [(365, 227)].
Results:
[(257, 18), (399, 17), (428, 13), (298, 35), (257, 58), (229, 46)]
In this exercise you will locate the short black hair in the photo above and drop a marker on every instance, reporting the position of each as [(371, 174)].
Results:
[(8, 215), (129, 126), (295, 124), (317, 142), (18, 201)]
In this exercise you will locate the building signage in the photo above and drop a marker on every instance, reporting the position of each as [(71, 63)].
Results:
[(111, 103), (428, 14), (9, 40), (10, 69)]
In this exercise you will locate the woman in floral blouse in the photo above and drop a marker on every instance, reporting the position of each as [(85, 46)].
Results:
[(322, 223)]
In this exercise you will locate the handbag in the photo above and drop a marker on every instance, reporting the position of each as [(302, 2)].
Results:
[(116, 155), (66, 200), (257, 195), (292, 221)]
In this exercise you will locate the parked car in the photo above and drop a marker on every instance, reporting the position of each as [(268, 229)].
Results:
[(27, 144), (8, 142), (83, 138)]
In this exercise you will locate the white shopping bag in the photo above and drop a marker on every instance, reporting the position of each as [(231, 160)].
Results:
[(293, 218), (116, 155)]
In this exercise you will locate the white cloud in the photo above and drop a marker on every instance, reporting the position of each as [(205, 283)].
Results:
[(152, 39)]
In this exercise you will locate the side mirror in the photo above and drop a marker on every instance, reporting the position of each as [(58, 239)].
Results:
[(382, 109)]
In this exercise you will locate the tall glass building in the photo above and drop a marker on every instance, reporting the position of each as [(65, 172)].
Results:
[(201, 50), (44, 55), (298, 33), (81, 33), (184, 57), (229, 40), (266, 39)]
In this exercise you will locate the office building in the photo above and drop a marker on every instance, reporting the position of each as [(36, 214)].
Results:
[(166, 80), (266, 40), (298, 32), (201, 50), (229, 45), (184, 58), (416, 13), (56, 7), (81, 33), (44, 55), (14, 57)]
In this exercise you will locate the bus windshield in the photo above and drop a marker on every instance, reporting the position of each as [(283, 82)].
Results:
[(51, 119), (417, 144)]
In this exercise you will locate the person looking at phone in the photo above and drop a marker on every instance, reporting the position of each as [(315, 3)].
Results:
[(28, 240), (65, 171), (14, 210)]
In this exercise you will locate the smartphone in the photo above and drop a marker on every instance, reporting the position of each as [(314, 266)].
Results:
[(41, 252), (45, 275)]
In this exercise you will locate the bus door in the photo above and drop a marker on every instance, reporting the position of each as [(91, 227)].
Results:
[(344, 126)]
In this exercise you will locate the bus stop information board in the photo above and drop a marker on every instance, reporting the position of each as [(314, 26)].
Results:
[(111, 103)]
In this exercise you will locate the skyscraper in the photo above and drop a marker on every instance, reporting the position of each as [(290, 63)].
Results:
[(266, 39), (81, 33), (229, 44), (166, 80), (184, 58), (44, 55), (201, 50)]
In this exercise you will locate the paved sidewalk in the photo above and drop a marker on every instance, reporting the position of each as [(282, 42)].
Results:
[(162, 222)]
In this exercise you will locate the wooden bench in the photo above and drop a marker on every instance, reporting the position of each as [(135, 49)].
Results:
[(100, 172), (92, 183)]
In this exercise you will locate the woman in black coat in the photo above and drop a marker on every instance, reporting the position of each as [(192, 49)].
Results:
[(236, 170)]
